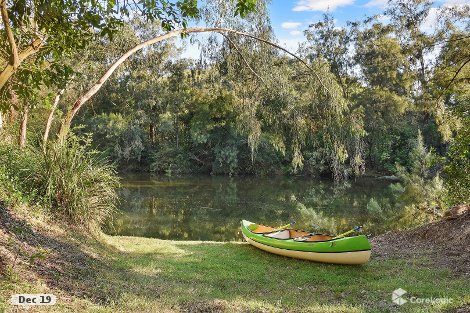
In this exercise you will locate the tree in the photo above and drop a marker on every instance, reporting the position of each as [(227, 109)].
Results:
[(97, 86), (54, 28), (333, 44), (452, 89), (39, 34), (408, 16)]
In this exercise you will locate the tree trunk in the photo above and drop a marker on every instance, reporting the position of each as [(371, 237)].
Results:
[(23, 127), (10, 69), (177, 132), (1, 121), (50, 118), (152, 133), (12, 116), (65, 127)]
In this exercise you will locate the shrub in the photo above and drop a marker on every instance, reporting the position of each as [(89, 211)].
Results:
[(16, 168), (170, 161), (422, 184), (76, 183), (457, 167)]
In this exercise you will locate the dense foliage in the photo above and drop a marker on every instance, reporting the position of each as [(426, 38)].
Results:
[(234, 112), (387, 95)]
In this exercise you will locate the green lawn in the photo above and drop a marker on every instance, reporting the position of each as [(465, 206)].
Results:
[(131, 274), (243, 276)]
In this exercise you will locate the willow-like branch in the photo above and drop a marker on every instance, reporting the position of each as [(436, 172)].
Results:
[(243, 58), (97, 86), (453, 78)]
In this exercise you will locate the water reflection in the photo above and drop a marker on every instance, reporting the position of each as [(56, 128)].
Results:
[(210, 208)]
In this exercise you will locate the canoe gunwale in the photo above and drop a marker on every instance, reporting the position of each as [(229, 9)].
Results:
[(311, 242), (312, 234)]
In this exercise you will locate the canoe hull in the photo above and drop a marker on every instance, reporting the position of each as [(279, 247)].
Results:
[(343, 250), (353, 257)]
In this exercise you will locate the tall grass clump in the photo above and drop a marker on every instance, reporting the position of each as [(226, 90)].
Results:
[(77, 183)]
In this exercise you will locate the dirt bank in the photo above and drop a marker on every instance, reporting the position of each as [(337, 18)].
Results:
[(446, 243)]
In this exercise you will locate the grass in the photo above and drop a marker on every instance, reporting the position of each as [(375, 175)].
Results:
[(132, 274)]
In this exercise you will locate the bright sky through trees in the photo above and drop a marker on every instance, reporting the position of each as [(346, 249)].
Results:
[(290, 18)]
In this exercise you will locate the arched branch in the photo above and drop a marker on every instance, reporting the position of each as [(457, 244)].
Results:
[(243, 58), (97, 86), (453, 79)]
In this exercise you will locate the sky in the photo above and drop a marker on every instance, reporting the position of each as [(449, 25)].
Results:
[(289, 18)]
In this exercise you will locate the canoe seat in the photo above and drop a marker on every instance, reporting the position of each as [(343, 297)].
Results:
[(296, 233), (319, 238), (287, 234), (262, 229), (282, 234), (313, 237)]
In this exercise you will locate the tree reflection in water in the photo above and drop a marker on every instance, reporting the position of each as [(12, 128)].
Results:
[(210, 208)]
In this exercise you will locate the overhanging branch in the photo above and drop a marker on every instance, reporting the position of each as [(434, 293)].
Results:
[(243, 57), (453, 78), (97, 86)]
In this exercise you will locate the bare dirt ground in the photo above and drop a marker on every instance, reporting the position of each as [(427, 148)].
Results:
[(445, 242)]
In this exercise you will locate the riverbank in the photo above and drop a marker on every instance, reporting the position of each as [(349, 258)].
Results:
[(132, 274)]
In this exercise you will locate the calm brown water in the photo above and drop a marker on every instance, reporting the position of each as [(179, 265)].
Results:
[(210, 208)]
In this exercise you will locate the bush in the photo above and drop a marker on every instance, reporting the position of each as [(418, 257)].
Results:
[(69, 181), (16, 168), (77, 184), (457, 167), (170, 161), (423, 184)]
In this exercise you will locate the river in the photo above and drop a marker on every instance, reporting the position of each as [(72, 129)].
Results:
[(211, 208)]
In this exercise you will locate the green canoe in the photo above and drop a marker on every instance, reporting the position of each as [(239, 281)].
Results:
[(308, 246)]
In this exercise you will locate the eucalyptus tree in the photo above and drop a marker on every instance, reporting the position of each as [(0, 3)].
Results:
[(36, 33), (122, 117), (386, 93), (87, 95), (53, 28), (334, 44), (420, 42), (409, 17), (451, 83)]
